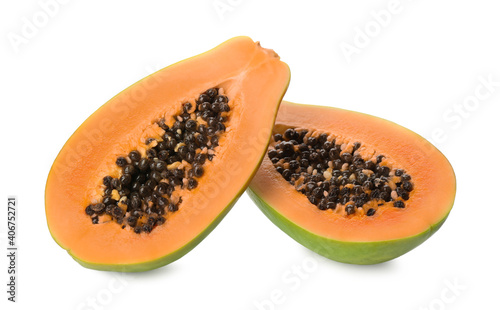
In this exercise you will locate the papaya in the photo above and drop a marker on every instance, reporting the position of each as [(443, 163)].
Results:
[(151, 173), (352, 187)]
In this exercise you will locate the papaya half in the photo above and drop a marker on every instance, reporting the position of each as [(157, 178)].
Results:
[(352, 187), (149, 174)]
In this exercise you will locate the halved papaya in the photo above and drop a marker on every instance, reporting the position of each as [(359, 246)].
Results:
[(352, 187), (147, 176)]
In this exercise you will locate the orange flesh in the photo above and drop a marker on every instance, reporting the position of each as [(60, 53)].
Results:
[(253, 78), (432, 176)]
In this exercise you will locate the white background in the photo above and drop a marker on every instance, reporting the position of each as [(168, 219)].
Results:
[(421, 67)]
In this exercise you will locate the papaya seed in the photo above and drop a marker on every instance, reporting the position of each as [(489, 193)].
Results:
[(146, 183), (320, 167)]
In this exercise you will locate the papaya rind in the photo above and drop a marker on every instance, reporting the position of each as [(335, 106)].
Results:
[(360, 253)]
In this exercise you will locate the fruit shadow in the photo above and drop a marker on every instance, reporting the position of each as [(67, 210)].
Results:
[(380, 267), (384, 267), (149, 274)]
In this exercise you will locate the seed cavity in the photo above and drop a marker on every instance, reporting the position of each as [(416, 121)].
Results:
[(146, 191), (335, 176)]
